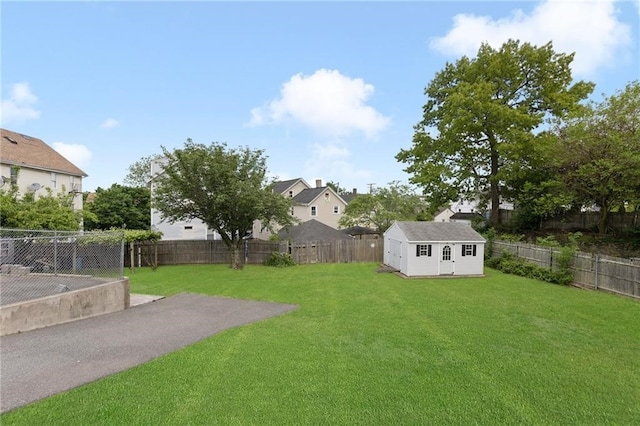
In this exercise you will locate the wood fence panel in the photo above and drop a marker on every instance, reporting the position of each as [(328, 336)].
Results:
[(609, 273)]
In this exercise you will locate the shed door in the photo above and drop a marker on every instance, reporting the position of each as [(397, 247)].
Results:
[(395, 254), (447, 260)]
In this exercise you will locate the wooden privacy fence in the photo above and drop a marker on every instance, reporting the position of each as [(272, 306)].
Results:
[(614, 274), (341, 251), (255, 251)]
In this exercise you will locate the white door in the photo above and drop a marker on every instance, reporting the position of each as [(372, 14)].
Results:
[(395, 254), (447, 259)]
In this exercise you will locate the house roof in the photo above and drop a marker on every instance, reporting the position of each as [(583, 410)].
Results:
[(439, 231), (307, 196), (465, 216), (281, 186), (349, 196), (312, 230), (359, 230), (26, 151)]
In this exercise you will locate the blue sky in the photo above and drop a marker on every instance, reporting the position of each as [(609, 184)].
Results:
[(329, 90)]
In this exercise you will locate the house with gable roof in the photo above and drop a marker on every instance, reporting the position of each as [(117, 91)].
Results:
[(34, 166)]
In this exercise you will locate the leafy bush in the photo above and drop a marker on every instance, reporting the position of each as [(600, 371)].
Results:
[(279, 260), (510, 264)]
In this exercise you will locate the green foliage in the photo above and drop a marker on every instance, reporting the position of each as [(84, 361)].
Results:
[(47, 211), (599, 149), (510, 264), (280, 260), (478, 130), (120, 205), (489, 235), (225, 188), (383, 206), (139, 173)]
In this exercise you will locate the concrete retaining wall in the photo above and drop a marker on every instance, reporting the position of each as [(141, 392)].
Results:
[(64, 307)]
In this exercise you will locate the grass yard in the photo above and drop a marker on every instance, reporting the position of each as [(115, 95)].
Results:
[(374, 349)]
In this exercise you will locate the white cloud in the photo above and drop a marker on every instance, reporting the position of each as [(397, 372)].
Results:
[(333, 162), (588, 27), (326, 101), (19, 107), (77, 154), (109, 123)]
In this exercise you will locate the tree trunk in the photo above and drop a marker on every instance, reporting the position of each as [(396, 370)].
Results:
[(236, 258), (602, 221), (494, 186)]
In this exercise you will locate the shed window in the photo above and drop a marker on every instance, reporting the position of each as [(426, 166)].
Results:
[(468, 249), (423, 250)]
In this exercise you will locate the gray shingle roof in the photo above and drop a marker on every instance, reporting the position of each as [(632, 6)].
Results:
[(282, 186), (308, 195), (439, 231), (312, 230), (465, 216)]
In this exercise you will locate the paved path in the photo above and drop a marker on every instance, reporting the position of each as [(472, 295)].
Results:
[(40, 363)]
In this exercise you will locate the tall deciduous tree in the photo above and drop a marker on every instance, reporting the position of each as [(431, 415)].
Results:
[(383, 206), (600, 153), (225, 188), (139, 173), (481, 117), (120, 205)]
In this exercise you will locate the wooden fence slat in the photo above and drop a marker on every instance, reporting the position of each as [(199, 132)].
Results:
[(614, 274)]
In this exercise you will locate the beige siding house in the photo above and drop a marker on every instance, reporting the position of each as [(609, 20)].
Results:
[(320, 203), (34, 166)]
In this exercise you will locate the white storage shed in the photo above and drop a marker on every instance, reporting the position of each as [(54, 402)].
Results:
[(434, 248)]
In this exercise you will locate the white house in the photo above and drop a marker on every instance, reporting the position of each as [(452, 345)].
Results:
[(193, 229), (420, 249)]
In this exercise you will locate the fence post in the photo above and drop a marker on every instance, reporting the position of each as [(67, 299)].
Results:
[(55, 253), (595, 270), (122, 254)]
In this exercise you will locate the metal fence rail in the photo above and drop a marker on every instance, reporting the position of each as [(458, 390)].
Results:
[(37, 263)]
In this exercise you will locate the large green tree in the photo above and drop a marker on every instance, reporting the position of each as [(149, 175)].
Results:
[(120, 205), (383, 206), (225, 188), (481, 120), (599, 153)]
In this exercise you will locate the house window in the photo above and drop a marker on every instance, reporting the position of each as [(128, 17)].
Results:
[(14, 175), (423, 250), (290, 194), (314, 211), (336, 209), (54, 180), (446, 253), (188, 227), (291, 211), (468, 249)]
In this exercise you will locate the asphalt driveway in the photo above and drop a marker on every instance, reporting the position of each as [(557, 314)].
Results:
[(40, 363)]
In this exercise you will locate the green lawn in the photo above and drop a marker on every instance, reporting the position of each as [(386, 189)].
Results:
[(367, 348)]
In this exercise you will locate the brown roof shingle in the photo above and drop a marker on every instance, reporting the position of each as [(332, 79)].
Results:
[(26, 151)]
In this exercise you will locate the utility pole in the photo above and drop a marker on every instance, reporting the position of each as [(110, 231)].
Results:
[(370, 185)]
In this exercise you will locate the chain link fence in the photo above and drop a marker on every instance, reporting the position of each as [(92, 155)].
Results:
[(37, 263)]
